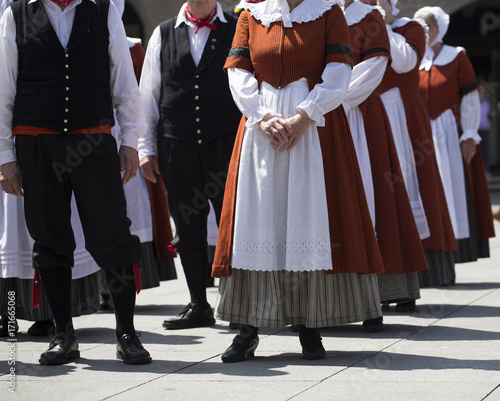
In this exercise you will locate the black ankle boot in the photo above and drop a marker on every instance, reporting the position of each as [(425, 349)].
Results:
[(243, 346), (312, 347)]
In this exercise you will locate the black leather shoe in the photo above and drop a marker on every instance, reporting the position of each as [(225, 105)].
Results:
[(373, 325), (241, 349), (42, 328), (192, 316), (130, 350), (409, 306), (312, 347), (4, 327), (62, 349)]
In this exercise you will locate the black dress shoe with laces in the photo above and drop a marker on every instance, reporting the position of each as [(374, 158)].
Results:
[(62, 349), (130, 350), (243, 346), (312, 347), (192, 316)]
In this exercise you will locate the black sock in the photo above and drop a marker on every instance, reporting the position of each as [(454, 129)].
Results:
[(121, 285), (195, 266), (56, 283)]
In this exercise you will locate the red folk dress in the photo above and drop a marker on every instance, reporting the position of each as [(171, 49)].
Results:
[(431, 188), (443, 87), (397, 233), (291, 61)]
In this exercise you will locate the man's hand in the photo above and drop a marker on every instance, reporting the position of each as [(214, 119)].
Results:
[(277, 129), (129, 161), (149, 168), (11, 179), (468, 150)]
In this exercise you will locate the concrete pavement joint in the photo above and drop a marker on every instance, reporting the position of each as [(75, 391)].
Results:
[(491, 392)]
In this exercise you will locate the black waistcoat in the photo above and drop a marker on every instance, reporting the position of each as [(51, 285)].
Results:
[(62, 89), (196, 105)]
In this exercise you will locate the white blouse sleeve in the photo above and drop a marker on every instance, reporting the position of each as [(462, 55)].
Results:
[(8, 87), (329, 94), (366, 77), (245, 90), (150, 87), (126, 97), (404, 57), (470, 116)]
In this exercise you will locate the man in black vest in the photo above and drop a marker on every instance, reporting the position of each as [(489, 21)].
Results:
[(191, 115), (64, 64)]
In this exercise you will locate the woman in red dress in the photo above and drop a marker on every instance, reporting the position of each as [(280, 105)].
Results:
[(397, 233), (449, 88), (408, 38), (294, 205)]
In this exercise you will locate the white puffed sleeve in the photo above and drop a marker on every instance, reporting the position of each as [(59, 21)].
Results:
[(404, 57), (245, 90), (366, 77), (329, 94), (470, 116)]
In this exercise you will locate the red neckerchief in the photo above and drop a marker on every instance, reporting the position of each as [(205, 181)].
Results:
[(202, 22), (63, 2)]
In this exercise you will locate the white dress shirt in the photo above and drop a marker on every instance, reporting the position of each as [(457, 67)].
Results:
[(123, 83), (151, 74)]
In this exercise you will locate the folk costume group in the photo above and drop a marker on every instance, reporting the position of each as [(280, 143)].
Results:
[(303, 124)]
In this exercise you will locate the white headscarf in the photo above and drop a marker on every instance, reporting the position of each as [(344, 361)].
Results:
[(443, 21), (395, 11), (120, 5)]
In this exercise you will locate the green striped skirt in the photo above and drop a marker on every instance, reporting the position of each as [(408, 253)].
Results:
[(280, 298), (398, 287)]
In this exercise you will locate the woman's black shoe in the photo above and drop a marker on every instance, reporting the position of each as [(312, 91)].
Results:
[(243, 346), (408, 306), (62, 349), (312, 347), (130, 350), (373, 325)]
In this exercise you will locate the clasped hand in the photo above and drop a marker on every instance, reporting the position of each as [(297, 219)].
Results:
[(285, 132)]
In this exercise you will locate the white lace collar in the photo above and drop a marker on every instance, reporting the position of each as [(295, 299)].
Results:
[(447, 55), (357, 11), (271, 11)]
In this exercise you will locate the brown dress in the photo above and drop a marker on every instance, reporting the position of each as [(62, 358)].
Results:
[(280, 56), (441, 243), (442, 88), (397, 233)]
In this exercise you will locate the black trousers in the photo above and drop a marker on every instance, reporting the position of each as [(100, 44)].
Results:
[(193, 176), (54, 167)]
